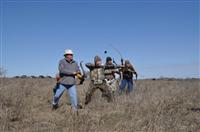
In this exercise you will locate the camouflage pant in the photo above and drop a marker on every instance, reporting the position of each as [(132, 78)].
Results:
[(102, 87), (112, 85)]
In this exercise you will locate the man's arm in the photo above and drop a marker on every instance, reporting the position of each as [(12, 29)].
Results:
[(134, 71), (90, 66)]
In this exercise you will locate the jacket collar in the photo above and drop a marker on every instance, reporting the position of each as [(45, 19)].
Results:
[(69, 61)]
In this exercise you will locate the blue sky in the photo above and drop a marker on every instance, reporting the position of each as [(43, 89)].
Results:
[(161, 38)]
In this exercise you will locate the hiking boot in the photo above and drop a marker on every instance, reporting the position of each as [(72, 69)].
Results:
[(80, 106), (54, 107)]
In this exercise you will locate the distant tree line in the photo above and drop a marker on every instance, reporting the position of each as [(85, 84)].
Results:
[(25, 76)]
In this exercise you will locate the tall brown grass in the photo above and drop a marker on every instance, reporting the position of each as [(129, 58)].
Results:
[(154, 106)]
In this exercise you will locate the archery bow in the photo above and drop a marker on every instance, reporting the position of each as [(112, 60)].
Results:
[(84, 73)]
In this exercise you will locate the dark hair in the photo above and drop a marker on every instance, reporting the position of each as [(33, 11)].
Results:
[(108, 59)]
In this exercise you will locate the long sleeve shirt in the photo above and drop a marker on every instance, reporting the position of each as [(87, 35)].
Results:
[(67, 70)]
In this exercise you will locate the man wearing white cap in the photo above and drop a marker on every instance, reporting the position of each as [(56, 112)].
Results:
[(68, 69)]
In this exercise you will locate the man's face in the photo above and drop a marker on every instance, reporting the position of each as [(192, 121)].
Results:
[(110, 62), (69, 57), (98, 63), (128, 65)]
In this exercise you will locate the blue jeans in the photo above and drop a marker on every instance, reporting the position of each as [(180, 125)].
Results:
[(71, 91), (123, 84)]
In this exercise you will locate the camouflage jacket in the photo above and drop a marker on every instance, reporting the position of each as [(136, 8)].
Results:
[(96, 73)]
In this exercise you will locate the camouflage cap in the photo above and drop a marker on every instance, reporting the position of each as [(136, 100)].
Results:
[(97, 58), (127, 62)]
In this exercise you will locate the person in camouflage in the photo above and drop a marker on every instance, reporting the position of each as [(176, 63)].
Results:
[(97, 80), (110, 70)]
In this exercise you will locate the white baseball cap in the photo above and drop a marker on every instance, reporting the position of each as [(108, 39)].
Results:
[(68, 51)]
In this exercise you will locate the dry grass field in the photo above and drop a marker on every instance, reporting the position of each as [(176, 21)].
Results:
[(154, 106)]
